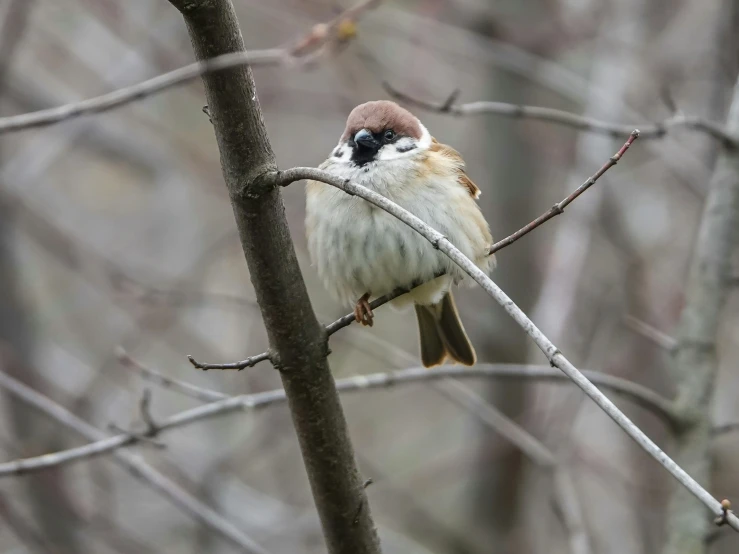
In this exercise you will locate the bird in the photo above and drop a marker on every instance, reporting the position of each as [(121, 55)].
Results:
[(362, 252)]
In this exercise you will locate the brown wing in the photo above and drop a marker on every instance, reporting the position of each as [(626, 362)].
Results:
[(454, 156)]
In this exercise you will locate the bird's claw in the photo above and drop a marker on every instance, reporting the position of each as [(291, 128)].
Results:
[(363, 312)]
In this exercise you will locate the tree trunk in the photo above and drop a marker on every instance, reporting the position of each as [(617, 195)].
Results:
[(298, 343)]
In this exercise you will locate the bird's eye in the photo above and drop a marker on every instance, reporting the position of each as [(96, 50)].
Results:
[(389, 135)]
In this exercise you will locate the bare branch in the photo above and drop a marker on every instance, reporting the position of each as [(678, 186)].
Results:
[(565, 495), (559, 207), (638, 394), (298, 343), (188, 389), (136, 466), (696, 361), (322, 39), (659, 338), (348, 319), (571, 509), (249, 362), (488, 414), (725, 428), (648, 130), (555, 357)]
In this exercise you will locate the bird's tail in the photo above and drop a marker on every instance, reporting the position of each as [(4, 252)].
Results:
[(442, 334)]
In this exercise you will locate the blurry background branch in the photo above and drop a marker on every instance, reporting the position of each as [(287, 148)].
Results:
[(695, 351), (221, 404), (648, 130), (136, 466), (323, 40)]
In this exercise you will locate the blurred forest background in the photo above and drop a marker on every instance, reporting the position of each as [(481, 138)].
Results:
[(116, 229)]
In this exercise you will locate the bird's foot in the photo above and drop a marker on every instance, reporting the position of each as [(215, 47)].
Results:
[(363, 312)]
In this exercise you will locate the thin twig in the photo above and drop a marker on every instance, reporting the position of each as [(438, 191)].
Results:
[(569, 119), (559, 207), (563, 489), (249, 362), (532, 447), (140, 437), (638, 394), (555, 357), (725, 428), (135, 465), (188, 389), (663, 340), (349, 318), (303, 53)]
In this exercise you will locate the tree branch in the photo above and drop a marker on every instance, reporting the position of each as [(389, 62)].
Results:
[(569, 119), (638, 394), (349, 318), (659, 338), (725, 428), (182, 387), (563, 489), (555, 357), (135, 465), (323, 40), (695, 361), (559, 207), (298, 343)]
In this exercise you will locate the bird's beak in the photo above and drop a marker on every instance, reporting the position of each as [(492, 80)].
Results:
[(365, 140)]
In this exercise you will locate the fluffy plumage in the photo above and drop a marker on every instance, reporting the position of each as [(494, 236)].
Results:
[(360, 249)]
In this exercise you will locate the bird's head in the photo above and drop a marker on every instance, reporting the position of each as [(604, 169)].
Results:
[(381, 131)]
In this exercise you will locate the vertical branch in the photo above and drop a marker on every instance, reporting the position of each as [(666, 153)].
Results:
[(298, 344), (695, 360)]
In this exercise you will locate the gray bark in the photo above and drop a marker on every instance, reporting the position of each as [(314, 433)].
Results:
[(298, 343), (695, 362)]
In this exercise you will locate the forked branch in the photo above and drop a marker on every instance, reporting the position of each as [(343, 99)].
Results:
[(568, 119), (348, 319), (555, 357)]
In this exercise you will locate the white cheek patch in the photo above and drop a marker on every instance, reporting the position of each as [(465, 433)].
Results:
[(402, 148), (338, 152)]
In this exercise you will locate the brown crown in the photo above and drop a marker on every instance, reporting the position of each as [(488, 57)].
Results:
[(379, 116)]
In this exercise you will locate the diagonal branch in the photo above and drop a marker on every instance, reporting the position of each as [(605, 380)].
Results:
[(555, 357), (321, 41), (135, 465), (564, 492), (559, 207), (348, 319), (569, 119)]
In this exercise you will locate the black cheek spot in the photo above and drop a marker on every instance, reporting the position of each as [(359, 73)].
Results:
[(336, 153), (407, 148)]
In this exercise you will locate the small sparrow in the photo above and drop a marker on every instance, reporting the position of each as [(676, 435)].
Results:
[(362, 252)]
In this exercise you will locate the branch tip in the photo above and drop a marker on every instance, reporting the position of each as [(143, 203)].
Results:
[(723, 519), (196, 364), (121, 355), (450, 101)]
